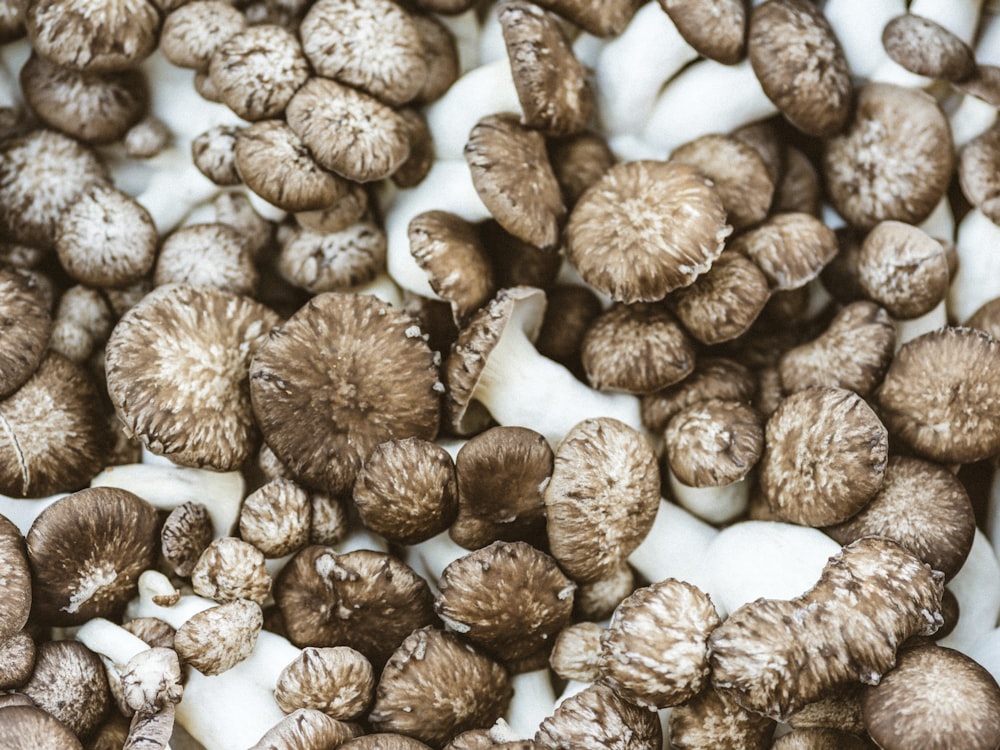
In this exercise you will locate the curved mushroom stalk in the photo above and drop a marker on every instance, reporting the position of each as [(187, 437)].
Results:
[(431, 557), (465, 27), (907, 330), (713, 504), (977, 588), (533, 701), (858, 25), (971, 118), (675, 547), (978, 277)]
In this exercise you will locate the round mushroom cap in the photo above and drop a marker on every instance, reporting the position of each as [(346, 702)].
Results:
[(367, 600), (218, 638), (638, 348), (384, 741), (713, 377), (306, 729), (903, 269), (339, 681), (939, 396), (372, 45), (576, 652), (214, 153), (185, 535), (440, 56), (895, 159), (69, 684), (97, 37), (790, 248), (602, 498), (800, 65), (597, 718), (54, 437), (926, 48), (713, 443), (177, 365), (276, 518), (213, 255), (435, 686), (231, 569), (319, 391), (193, 32), (347, 131), (825, 456), (511, 173), (714, 719), (25, 326), (933, 698), (321, 261), (646, 228), (978, 172), (15, 579), (17, 662), (30, 728), (351, 208), (418, 164), (716, 29)]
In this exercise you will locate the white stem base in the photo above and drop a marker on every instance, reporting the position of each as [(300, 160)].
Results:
[(977, 588), (675, 547), (717, 505)]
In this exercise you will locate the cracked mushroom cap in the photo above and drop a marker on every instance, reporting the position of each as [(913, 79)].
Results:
[(231, 569), (655, 651), (276, 518), (325, 261), (406, 490), (319, 391), (714, 719), (348, 131), (978, 174), (105, 238), (638, 348), (185, 535), (602, 498), (31, 728), (69, 684), (372, 45), (349, 209), (94, 36), (212, 254), (511, 172), (933, 698), (54, 437), (800, 65), (193, 32), (646, 228), (367, 600), (434, 687), (508, 598), (926, 48), (306, 729), (717, 29), (339, 681), (903, 269), (25, 327), (923, 507), (939, 397), (214, 153), (177, 365), (597, 718), (895, 159), (790, 248), (713, 378), (825, 456), (107, 537), (15, 581), (713, 443), (218, 638)]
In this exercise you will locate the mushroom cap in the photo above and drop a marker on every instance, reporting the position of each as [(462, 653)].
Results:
[(713, 443), (325, 261), (895, 159), (984, 84), (934, 698), (569, 312), (596, 600), (926, 48), (646, 228), (716, 29), (231, 569), (800, 65), (218, 638), (576, 652), (790, 248), (338, 680), (276, 518), (713, 377), (318, 391), (372, 45), (713, 718), (348, 131), (987, 318), (367, 600), (350, 209), (177, 365), (30, 728), (507, 598), (17, 660), (15, 579), (440, 56), (939, 397), (903, 269), (602, 498), (69, 684), (603, 19), (516, 262), (214, 153), (193, 32), (98, 37), (578, 161), (597, 718), (977, 172), (638, 348), (185, 535), (384, 741), (434, 686), (306, 729), (821, 739), (54, 437), (25, 326), (212, 254), (418, 164), (923, 507), (825, 455), (799, 188), (512, 175)]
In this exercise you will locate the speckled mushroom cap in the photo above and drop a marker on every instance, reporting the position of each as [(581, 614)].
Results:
[(372, 45), (604, 19), (821, 739), (307, 729), (54, 437), (715, 28), (987, 318), (512, 175), (713, 377), (193, 32), (186, 533), (41, 174), (646, 228), (507, 598), (482, 739), (348, 131), (903, 269), (218, 638), (939, 398), (576, 652), (800, 188), (177, 365), (350, 209), (231, 569), (435, 686), (924, 507), (597, 718), (451, 253), (367, 600), (276, 518), (790, 248), (107, 537), (977, 172), (384, 741), (714, 719), (602, 498), (25, 325), (319, 393), (69, 683), (211, 254), (15, 578), (551, 83), (926, 48), (105, 238), (800, 65), (825, 455), (31, 728), (935, 698), (320, 261), (895, 159), (853, 352), (338, 680), (421, 158), (713, 443), (98, 37), (214, 153), (839, 709)]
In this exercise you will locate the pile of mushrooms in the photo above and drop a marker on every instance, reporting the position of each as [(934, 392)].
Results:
[(466, 374)]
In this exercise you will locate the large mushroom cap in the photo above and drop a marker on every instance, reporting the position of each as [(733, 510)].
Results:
[(320, 390), (713, 443), (926, 48), (337, 680), (69, 683), (307, 729), (177, 366), (25, 324), (30, 728)]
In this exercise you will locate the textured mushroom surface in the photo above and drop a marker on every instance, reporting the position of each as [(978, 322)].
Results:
[(69, 683), (177, 365), (307, 729), (192, 32), (714, 719), (210, 254), (231, 569), (903, 269), (322, 261), (713, 443), (790, 248), (338, 680), (185, 534), (977, 172), (30, 728), (597, 718), (25, 324), (384, 741), (713, 377), (602, 18), (716, 28), (15, 580), (219, 638), (276, 518), (926, 48)]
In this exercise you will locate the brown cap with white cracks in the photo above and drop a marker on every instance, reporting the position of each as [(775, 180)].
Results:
[(903, 269), (337, 680), (25, 326), (598, 718), (713, 443), (713, 378)]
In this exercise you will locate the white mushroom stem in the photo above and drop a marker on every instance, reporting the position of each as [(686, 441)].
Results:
[(492, 46), (587, 49), (941, 223), (675, 547), (447, 187), (970, 119), (532, 702), (907, 330), (383, 287), (113, 642), (11, 103), (166, 487), (466, 30), (858, 25), (707, 97), (264, 209), (977, 588), (717, 505), (429, 558), (978, 278), (988, 44), (634, 67), (22, 512)]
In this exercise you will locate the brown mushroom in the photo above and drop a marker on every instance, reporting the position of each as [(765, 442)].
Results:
[(440, 56), (218, 638), (15, 579), (570, 310), (17, 658), (903, 269), (790, 248), (821, 739), (25, 324), (800, 188), (211, 254), (195, 30), (231, 569), (350, 209), (69, 684), (977, 172), (717, 29), (926, 48), (384, 741), (30, 728), (714, 718), (421, 158), (214, 153), (338, 681), (597, 718), (516, 262), (276, 518), (713, 377), (324, 261), (307, 729), (576, 652), (602, 18), (185, 535), (578, 161)]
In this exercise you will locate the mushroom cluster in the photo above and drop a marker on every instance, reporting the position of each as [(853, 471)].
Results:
[(525, 374)]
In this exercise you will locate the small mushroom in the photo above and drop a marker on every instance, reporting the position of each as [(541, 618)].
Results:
[(15, 578), (69, 684), (928, 49), (603, 18), (821, 739), (716, 28), (195, 30), (17, 659), (25, 325), (713, 377), (790, 248), (218, 638), (208, 255), (596, 600), (598, 718), (231, 569), (30, 728), (800, 189), (306, 729), (570, 311), (384, 740), (324, 259), (421, 158), (714, 718), (338, 681), (185, 535), (578, 161), (576, 652), (276, 518), (977, 172), (516, 262), (214, 153), (440, 56)]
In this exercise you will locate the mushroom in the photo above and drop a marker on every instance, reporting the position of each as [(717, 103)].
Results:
[(597, 718), (516, 262), (24, 727), (349, 210), (338, 681), (578, 161), (214, 153), (207, 255), (193, 31), (69, 684), (277, 517), (799, 189), (713, 378), (716, 28), (323, 261), (790, 248), (821, 739), (385, 740), (16, 579), (713, 718), (231, 569), (569, 312), (306, 729), (17, 659), (977, 169), (421, 158), (576, 652), (926, 48), (602, 18), (25, 329), (440, 56), (216, 639)]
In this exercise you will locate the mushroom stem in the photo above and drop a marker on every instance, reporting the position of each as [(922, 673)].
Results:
[(858, 25), (988, 44), (533, 701), (907, 330), (675, 547), (466, 29), (978, 277), (429, 558), (11, 103), (110, 641), (717, 505)]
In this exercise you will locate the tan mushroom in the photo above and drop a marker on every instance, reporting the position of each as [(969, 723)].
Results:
[(903, 269), (926, 48), (218, 638), (195, 30), (17, 660), (214, 153), (29, 728), (713, 378), (977, 172), (307, 729), (597, 718), (714, 718), (207, 255), (231, 569), (576, 652), (790, 248), (716, 28), (384, 740), (69, 684), (276, 518), (323, 261), (25, 331), (348, 210), (185, 535), (338, 681)]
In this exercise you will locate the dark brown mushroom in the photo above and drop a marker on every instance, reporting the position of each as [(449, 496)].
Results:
[(578, 161), (30, 728), (440, 56), (25, 325), (17, 658), (516, 262), (69, 684), (570, 310), (928, 49), (800, 189), (713, 377), (597, 718)]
